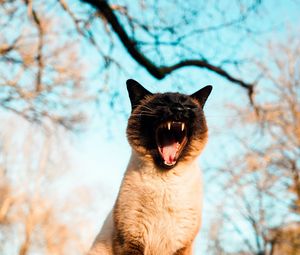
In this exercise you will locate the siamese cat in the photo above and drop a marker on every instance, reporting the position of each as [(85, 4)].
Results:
[(158, 208)]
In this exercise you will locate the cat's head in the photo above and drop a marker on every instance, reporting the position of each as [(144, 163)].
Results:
[(166, 127)]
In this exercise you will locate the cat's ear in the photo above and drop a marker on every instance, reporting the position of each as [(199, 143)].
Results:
[(136, 92), (202, 95)]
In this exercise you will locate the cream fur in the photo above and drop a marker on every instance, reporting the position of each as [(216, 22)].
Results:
[(161, 209), (103, 242)]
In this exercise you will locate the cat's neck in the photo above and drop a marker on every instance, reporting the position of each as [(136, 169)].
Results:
[(144, 165)]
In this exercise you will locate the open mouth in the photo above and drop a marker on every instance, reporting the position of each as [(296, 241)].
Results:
[(171, 137)]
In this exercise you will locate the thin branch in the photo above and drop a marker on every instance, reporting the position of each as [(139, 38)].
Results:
[(28, 232), (88, 35), (5, 49), (240, 232), (40, 61)]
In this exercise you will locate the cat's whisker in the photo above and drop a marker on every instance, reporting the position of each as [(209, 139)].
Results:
[(146, 107), (152, 112), (147, 112), (144, 113), (141, 114)]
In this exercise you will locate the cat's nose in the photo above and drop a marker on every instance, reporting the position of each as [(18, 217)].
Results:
[(178, 112)]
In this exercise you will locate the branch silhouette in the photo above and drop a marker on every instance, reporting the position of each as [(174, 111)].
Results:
[(158, 72)]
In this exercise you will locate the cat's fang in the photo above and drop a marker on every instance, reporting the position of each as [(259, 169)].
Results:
[(170, 164), (169, 125), (182, 126)]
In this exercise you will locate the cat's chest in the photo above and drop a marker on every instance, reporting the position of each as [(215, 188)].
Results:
[(168, 210), (161, 213), (164, 198)]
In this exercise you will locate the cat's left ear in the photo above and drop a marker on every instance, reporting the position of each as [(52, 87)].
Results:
[(136, 92), (202, 95)]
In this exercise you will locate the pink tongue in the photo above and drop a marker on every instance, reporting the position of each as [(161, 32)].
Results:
[(169, 153)]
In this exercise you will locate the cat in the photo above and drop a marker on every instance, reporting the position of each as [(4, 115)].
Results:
[(158, 208)]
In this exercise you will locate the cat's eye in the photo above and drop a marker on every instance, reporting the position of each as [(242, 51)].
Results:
[(191, 107)]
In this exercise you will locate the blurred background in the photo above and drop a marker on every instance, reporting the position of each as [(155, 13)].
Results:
[(64, 108)]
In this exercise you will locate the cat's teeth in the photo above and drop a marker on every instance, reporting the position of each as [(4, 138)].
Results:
[(169, 164), (169, 125), (182, 126)]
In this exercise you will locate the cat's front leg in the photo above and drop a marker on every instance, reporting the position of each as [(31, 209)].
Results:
[(188, 250), (126, 247)]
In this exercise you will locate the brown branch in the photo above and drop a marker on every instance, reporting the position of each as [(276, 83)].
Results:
[(28, 232), (5, 49), (40, 53), (40, 61), (296, 178), (158, 72)]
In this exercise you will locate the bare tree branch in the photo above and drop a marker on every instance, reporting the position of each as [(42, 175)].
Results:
[(158, 72)]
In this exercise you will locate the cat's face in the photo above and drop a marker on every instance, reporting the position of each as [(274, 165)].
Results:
[(169, 127)]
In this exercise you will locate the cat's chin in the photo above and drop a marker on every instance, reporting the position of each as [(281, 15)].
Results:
[(171, 138)]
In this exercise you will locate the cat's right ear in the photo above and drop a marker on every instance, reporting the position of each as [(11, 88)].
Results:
[(202, 95), (136, 92)]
